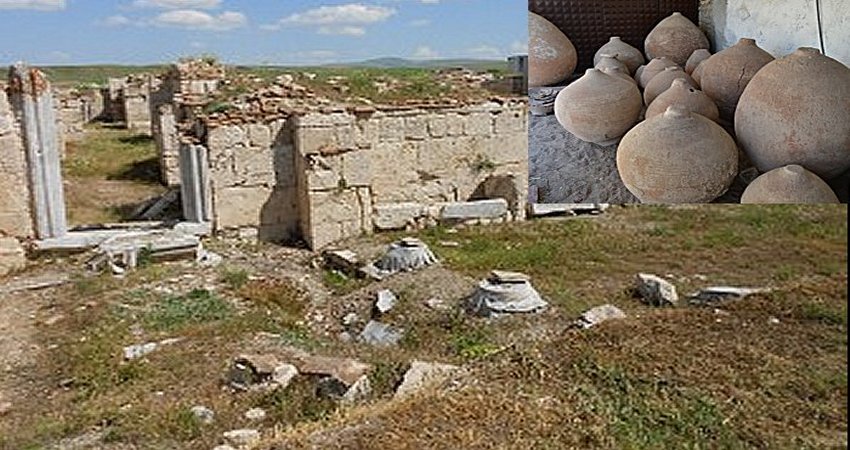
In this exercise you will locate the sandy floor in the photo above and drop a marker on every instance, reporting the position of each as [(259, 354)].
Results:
[(565, 169)]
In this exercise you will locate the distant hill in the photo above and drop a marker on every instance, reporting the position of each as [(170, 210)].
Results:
[(393, 63)]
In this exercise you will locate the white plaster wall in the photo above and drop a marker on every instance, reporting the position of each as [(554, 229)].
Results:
[(779, 26)]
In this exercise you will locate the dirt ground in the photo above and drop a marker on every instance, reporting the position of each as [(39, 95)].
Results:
[(719, 377)]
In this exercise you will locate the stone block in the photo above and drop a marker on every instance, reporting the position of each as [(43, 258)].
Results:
[(254, 165), (324, 120), (391, 129), (239, 206), (437, 125), (223, 139), (345, 137), (324, 172), (366, 132), (12, 255), (416, 127), (396, 216), (259, 135), (455, 124), (480, 209), (314, 140), (478, 124), (511, 121), (357, 168), (284, 165)]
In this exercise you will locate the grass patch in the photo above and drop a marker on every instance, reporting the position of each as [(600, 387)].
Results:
[(198, 306), (234, 278), (112, 154)]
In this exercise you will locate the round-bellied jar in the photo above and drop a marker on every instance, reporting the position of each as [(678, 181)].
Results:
[(789, 184), (551, 56)]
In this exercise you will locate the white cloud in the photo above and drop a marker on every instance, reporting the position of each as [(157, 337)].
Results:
[(485, 51), (199, 20), (425, 52), (348, 30), (431, 2), (60, 56), (115, 21), (38, 5), (178, 4), (519, 47), (354, 15), (420, 23)]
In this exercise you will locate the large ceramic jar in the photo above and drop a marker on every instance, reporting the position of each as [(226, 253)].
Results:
[(677, 157), (598, 108), (686, 96), (695, 59), (725, 75), (789, 184), (656, 66), (551, 56), (627, 54), (607, 61), (675, 37), (796, 110), (663, 81)]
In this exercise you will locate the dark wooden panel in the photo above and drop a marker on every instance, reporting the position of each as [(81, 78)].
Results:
[(589, 23)]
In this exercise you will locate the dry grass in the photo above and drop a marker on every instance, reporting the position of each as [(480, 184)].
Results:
[(664, 378)]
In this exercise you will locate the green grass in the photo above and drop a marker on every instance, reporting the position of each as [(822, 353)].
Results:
[(234, 278), (198, 306), (113, 154), (94, 74)]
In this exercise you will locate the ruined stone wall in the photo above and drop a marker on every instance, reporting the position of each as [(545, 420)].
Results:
[(253, 179), (409, 167), (15, 213), (137, 105), (75, 109)]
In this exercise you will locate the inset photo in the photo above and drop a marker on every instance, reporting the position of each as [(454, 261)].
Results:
[(688, 102)]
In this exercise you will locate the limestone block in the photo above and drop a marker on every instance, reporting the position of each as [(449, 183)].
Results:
[(511, 121), (478, 124), (324, 172), (396, 216), (239, 206), (357, 168), (12, 255), (366, 132), (480, 209), (392, 129), (254, 165), (335, 207), (393, 166), (259, 135), (345, 136), (416, 127), (364, 195), (437, 125), (443, 156), (325, 120), (222, 139), (314, 140), (455, 124), (504, 148)]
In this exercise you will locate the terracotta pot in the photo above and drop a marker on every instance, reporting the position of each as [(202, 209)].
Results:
[(663, 81), (610, 62), (677, 157), (551, 56), (789, 184), (598, 108), (686, 96), (697, 74), (796, 110), (675, 37), (652, 69), (725, 75), (618, 72), (695, 59), (628, 55)]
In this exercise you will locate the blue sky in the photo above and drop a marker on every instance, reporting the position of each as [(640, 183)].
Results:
[(258, 31)]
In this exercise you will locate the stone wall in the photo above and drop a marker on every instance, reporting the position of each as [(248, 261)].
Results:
[(253, 179), (137, 105), (15, 213), (780, 26), (325, 176), (76, 108), (397, 168)]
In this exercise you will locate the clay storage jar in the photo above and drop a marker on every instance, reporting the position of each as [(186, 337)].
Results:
[(551, 55), (663, 81), (677, 157), (627, 54), (652, 69), (789, 184), (726, 74), (618, 72), (609, 62), (684, 95), (796, 110), (695, 59), (675, 37), (598, 108), (697, 74)]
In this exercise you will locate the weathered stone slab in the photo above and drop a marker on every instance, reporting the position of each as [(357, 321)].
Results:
[(655, 290), (396, 216), (423, 374), (599, 314), (553, 209), (480, 209)]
